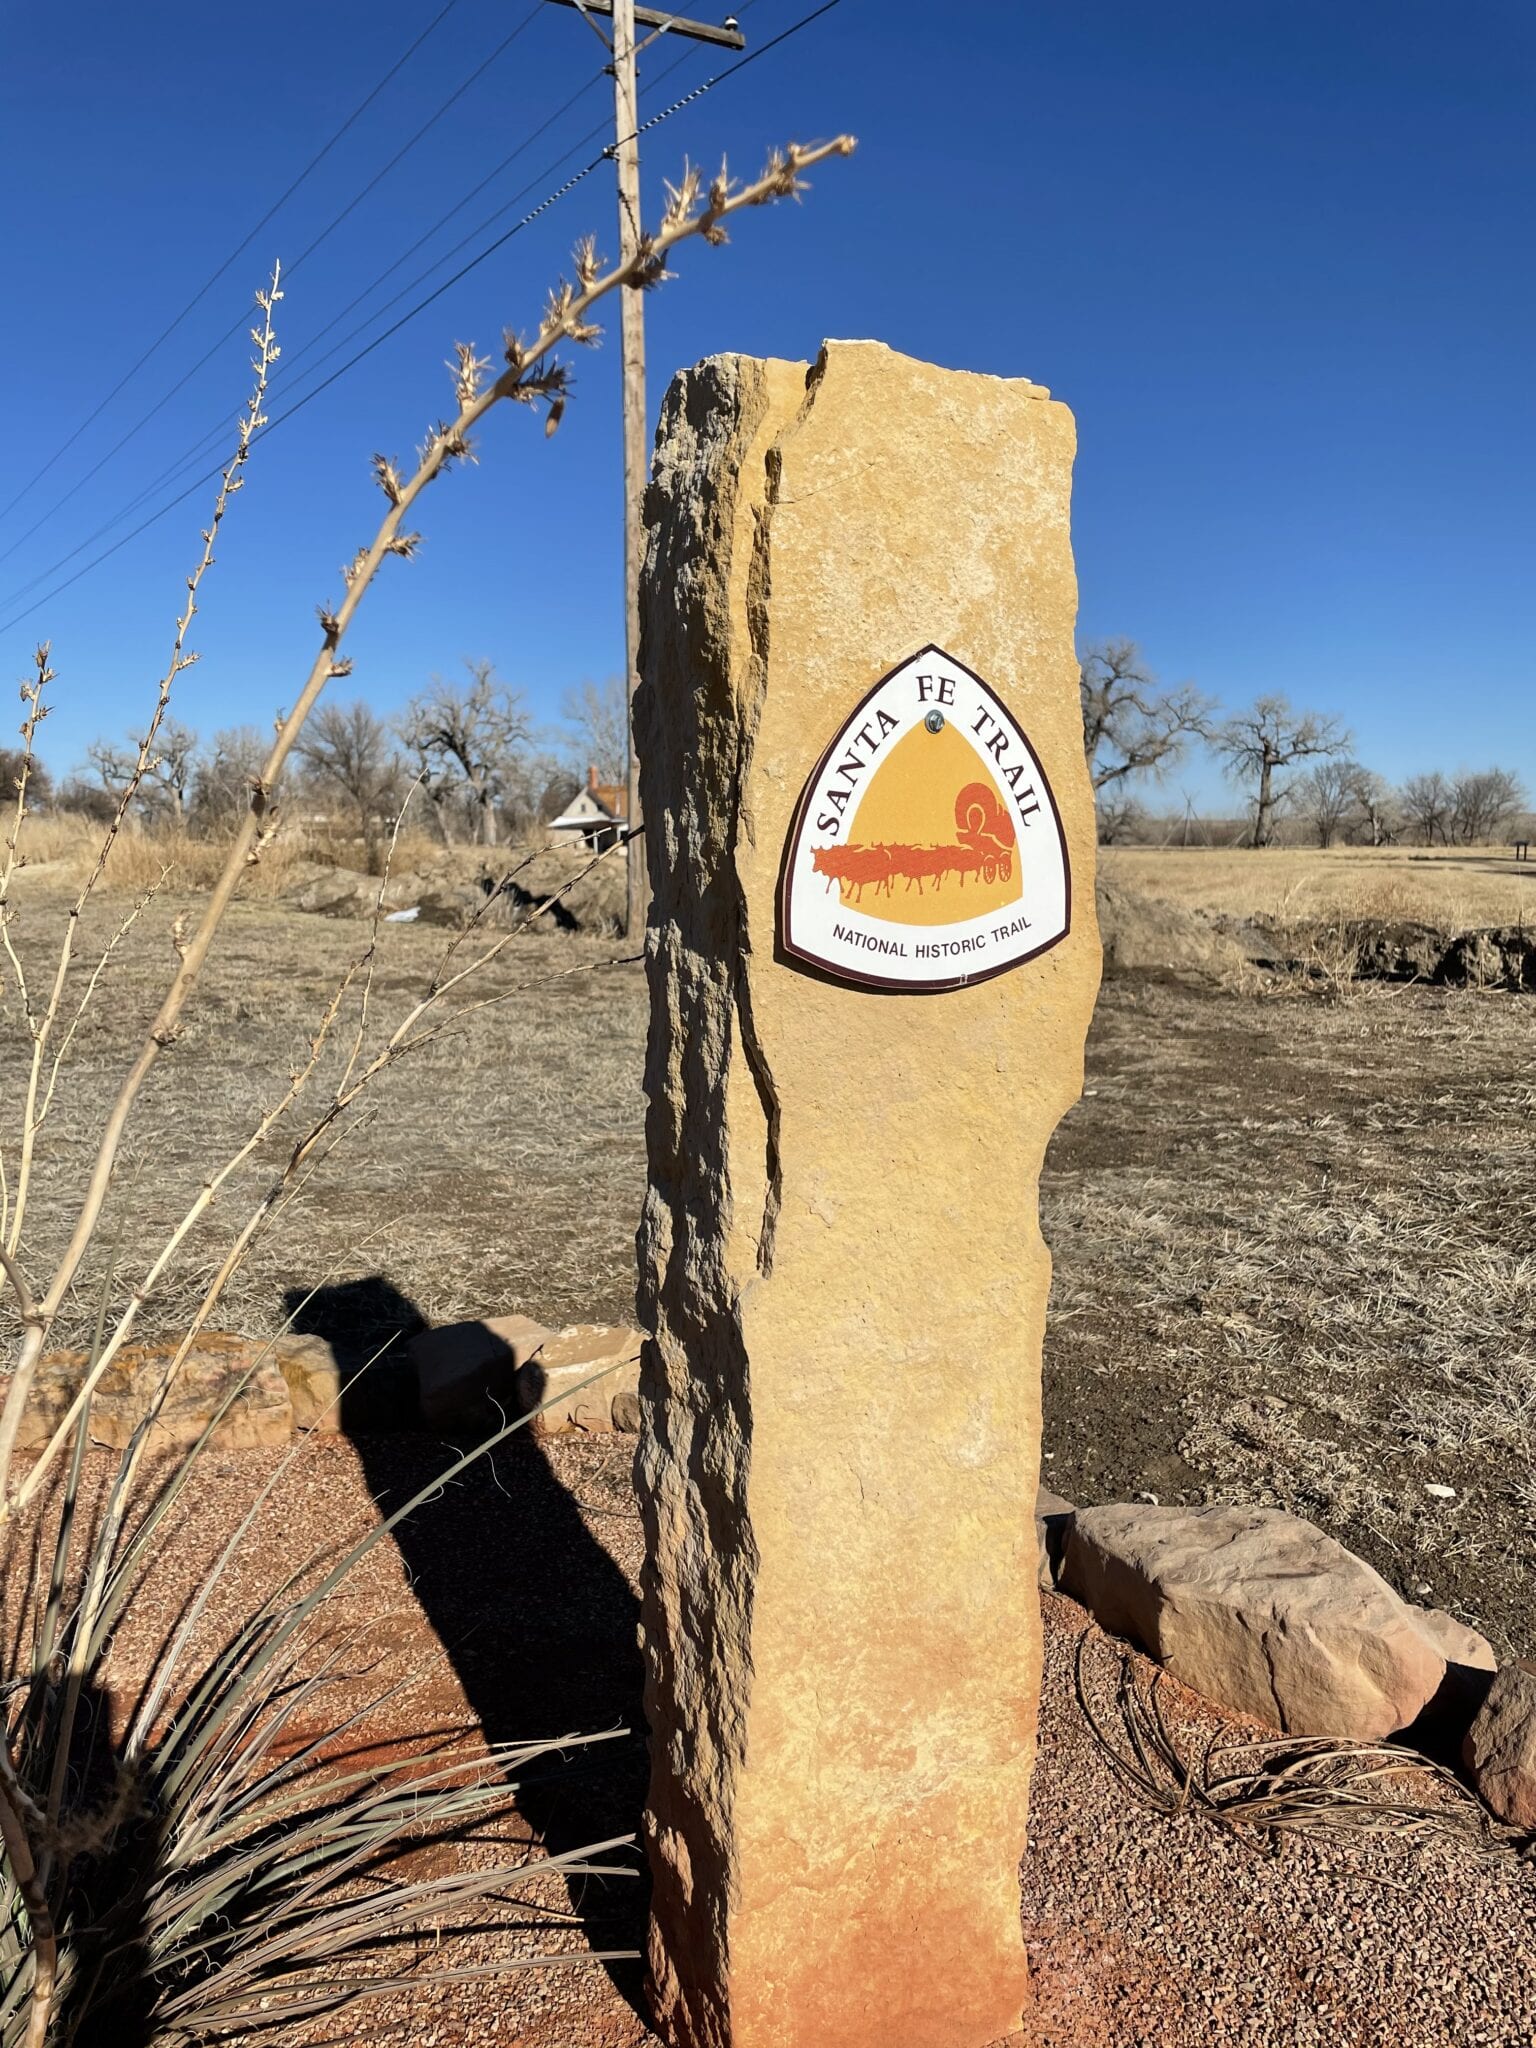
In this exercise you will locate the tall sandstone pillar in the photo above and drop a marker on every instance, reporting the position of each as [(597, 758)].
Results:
[(873, 958)]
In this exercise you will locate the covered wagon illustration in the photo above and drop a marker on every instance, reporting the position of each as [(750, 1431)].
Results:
[(983, 847)]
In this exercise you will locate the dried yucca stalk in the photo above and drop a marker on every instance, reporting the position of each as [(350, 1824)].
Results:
[(1261, 1792), (182, 1869)]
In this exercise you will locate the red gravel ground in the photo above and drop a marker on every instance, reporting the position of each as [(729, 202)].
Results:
[(513, 1604)]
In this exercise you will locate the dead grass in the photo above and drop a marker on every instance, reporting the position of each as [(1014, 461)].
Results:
[(62, 848), (1296, 1264), (1455, 888), (1267, 1790), (1295, 1246), (498, 1169)]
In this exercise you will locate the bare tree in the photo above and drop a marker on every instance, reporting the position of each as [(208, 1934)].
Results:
[(1328, 796), (1379, 805), (174, 765), (1120, 818), (347, 751), (538, 789), (1427, 805), (164, 782), (1483, 801), (111, 765), (471, 734), (226, 772), (86, 799), (1258, 743), (15, 763), (1131, 726), (598, 715), (443, 796)]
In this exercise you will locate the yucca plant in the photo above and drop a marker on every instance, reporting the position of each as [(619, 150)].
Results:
[(212, 1856), (212, 1852)]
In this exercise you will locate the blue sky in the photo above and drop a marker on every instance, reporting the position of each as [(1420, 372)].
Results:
[(1276, 257)]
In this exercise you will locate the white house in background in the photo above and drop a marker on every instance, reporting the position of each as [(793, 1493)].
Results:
[(598, 813)]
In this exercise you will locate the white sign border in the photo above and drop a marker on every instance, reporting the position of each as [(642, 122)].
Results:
[(832, 970)]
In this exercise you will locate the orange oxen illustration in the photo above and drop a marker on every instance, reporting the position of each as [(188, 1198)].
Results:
[(984, 843)]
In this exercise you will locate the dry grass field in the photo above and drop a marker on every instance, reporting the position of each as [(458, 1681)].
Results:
[(499, 1167), (1295, 1239), (1295, 1263), (1454, 888)]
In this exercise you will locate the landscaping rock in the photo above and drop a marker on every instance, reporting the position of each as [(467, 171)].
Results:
[(555, 1376), (220, 1369), (1053, 1519), (1500, 1749), (314, 1381), (626, 1412), (1456, 1643), (467, 1373), (1260, 1611), (1470, 1663)]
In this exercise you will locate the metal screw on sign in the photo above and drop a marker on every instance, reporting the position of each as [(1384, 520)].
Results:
[(934, 721)]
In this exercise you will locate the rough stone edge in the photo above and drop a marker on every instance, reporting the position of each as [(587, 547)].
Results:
[(703, 506), (1460, 1711)]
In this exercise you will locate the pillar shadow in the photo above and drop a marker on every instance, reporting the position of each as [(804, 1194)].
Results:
[(536, 1618)]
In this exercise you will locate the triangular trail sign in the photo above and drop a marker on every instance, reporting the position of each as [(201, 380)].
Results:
[(926, 850)]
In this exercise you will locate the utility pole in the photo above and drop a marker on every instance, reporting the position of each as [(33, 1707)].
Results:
[(625, 152)]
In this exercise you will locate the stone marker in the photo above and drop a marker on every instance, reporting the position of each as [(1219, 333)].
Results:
[(872, 961)]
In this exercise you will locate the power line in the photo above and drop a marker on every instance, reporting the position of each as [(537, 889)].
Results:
[(205, 441), (400, 154), (201, 293), (211, 435), (474, 191), (228, 334), (687, 99), (290, 361)]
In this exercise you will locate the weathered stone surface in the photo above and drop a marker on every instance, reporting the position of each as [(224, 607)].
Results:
[(1258, 1610), (1053, 1520), (840, 1255), (314, 1381), (558, 1380), (1500, 1749), (1456, 1642), (221, 1373), (1470, 1663), (466, 1373)]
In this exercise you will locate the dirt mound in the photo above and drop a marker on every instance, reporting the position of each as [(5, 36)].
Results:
[(1371, 950), (1141, 933), (499, 884)]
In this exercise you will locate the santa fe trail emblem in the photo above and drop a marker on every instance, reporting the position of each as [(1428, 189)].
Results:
[(926, 851)]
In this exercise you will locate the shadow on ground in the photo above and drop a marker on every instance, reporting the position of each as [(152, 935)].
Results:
[(537, 1620)]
